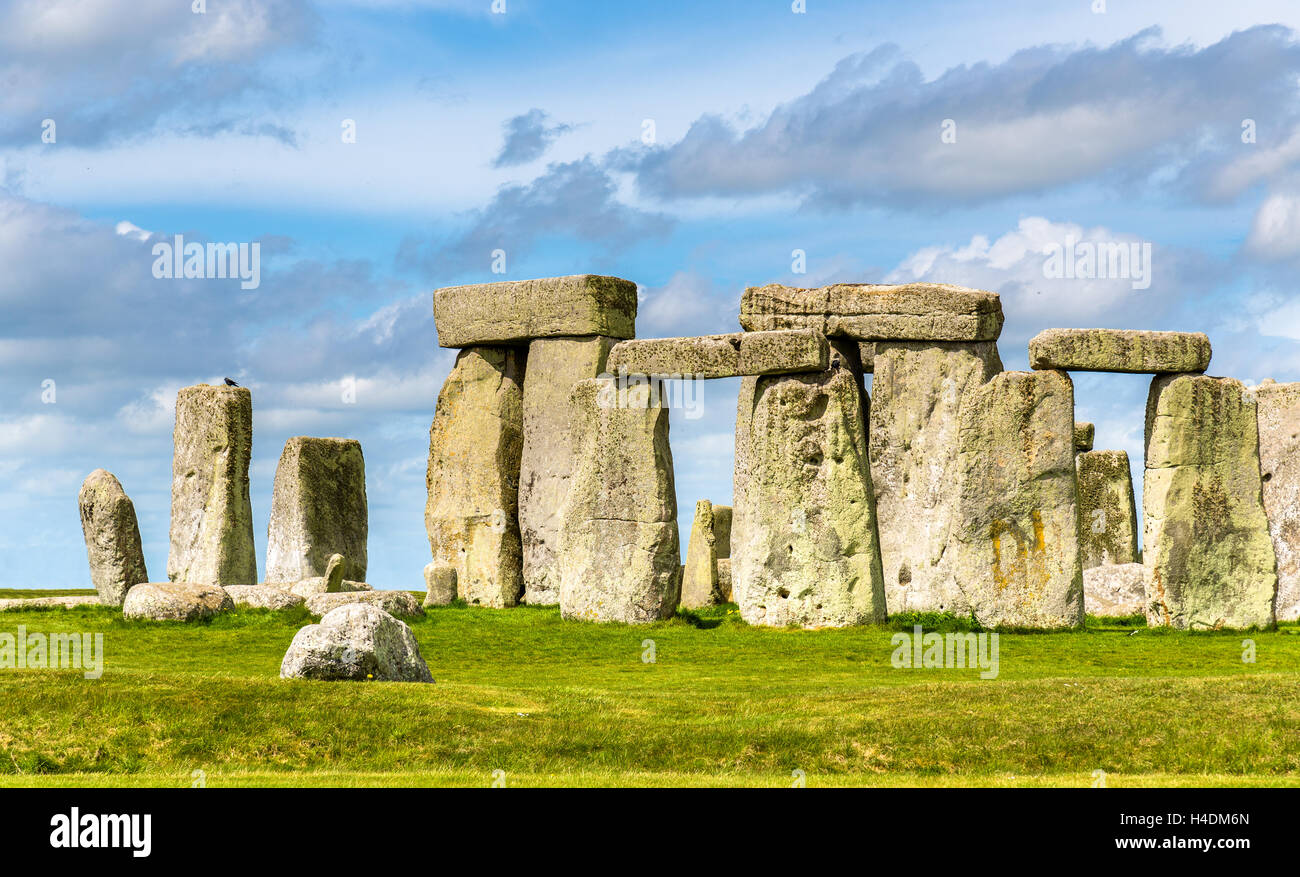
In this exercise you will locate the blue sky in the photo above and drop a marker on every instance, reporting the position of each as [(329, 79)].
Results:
[(524, 130)]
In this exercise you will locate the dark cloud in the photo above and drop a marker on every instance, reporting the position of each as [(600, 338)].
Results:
[(527, 138)]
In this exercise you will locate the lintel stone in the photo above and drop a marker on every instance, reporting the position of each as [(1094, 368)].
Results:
[(1119, 350), (517, 311)]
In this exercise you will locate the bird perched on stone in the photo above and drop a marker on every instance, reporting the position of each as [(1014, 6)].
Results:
[(230, 383)]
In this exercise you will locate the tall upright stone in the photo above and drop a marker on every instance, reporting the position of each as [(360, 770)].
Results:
[(475, 443), (804, 544), (1017, 542), (1279, 462), (1107, 510), (917, 392), (619, 548), (318, 508), (112, 537), (1206, 536), (554, 366), (212, 518), (700, 573)]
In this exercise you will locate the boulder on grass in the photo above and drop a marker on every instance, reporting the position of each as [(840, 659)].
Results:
[(394, 602), (263, 597), (358, 642), (175, 601)]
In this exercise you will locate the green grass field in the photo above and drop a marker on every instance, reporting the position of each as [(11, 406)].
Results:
[(550, 702)]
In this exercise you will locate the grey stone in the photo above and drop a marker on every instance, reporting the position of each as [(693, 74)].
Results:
[(318, 508), (518, 311), (872, 312), (722, 530), (439, 584), (475, 445), (112, 535), (263, 597), (700, 572), (554, 366), (1119, 350), (1107, 510), (619, 554), (1084, 433), (1116, 589), (73, 602), (175, 601), (724, 580), (723, 356), (1279, 460), (212, 518), (1206, 540), (393, 602), (356, 642)]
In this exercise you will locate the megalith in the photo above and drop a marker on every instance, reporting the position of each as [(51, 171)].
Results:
[(519, 311), (1084, 433), (619, 555), (212, 518), (1107, 510), (1119, 350), (804, 544), (475, 443), (318, 509), (700, 574), (1017, 549), (1279, 462), (112, 537), (1206, 536), (554, 366), (917, 391)]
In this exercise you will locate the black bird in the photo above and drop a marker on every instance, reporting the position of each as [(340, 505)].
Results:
[(230, 383)]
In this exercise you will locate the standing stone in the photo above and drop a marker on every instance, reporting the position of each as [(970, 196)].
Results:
[(554, 366), (1206, 538), (918, 388), (804, 546), (475, 442), (318, 508), (619, 548), (725, 587), (1279, 463), (722, 530), (439, 585), (212, 518), (1107, 511), (700, 576), (1084, 433), (112, 537), (1017, 545)]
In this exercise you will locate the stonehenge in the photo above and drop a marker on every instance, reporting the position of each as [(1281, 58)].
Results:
[(112, 535), (706, 575)]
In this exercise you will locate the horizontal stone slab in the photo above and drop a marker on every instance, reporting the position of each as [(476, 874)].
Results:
[(723, 356), (516, 311), (1119, 350), (876, 312)]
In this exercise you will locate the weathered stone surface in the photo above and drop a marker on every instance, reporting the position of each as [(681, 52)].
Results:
[(517, 311), (700, 573), (723, 356), (619, 549), (112, 537), (722, 530), (1116, 589), (175, 601), (1206, 540), (1279, 463), (1119, 350), (1083, 436), (393, 602), (356, 642), (475, 445), (212, 519), (20, 603), (870, 312), (1017, 534), (1107, 511), (439, 585), (918, 388), (330, 583), (318, 508), (263, 597), (725, 586), (804, 547), (554, 366)]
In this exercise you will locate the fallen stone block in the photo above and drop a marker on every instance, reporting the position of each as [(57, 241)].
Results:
[(1206, 539), (263, 597), (72, 602), (439, 585), (917, 392), (318, 508), (1279, 462), (619, 549), (700, 572), (1084, 434), (112, 536), (1017, 548), (1119, 350), (175, 601), (475, 445), (356, 642), (1107, 510), (517, 311), (546, 465), (1115, 590), (212, 518), (393, 602), (872, 312)]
